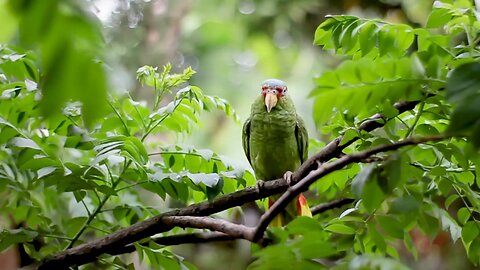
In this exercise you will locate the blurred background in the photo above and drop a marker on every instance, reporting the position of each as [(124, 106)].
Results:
[(234, 45)]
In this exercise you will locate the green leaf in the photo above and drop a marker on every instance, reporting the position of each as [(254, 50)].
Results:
[(466, 115), (302, 225), (74, 225), (463, 83), (391, 226), (24, 143), (358, 183), (450, 200), (377, 238), (408, 205), (208, 179), (438, 17), (348, 135), (408, 241), (9, 21), (45, 171), (274, 257), (39, 162), (366, 38), (428, 224), (311, 247), (14, 236), (340, 228), (470, 231), (474, 251), (365, 185), (463, 215)]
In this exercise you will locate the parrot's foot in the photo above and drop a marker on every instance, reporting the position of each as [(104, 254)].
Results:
[(260, 185), (288, 177)]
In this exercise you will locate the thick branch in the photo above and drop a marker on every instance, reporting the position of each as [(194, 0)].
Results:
[(219, 225), (194, 238), (89, 251), (327, 168)]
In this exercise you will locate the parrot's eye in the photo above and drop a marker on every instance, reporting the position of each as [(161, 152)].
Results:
[(284, 91), (264, 89)]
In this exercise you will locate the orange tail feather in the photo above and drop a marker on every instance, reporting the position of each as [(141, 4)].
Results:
[(302, 206)]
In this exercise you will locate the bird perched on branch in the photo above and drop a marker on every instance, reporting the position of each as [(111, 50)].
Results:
[(275, 142)]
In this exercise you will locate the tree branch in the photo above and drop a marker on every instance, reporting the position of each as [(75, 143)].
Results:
[(172, 240), (219, 225), (330, 205), (327, 168), (334, 149), (88, 252), (194, 238)]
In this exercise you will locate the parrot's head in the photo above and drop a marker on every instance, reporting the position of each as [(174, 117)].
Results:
[(273, 90)]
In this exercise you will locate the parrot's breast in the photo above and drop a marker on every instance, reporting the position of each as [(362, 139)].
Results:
[(273, 145)]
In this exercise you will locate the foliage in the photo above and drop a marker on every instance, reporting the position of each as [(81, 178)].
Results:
[(79, 174), (70, 46), (65, 183), (434, 187)]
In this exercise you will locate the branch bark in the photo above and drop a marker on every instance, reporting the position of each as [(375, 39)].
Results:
[(179, 239), (219, 225), (88, 252)]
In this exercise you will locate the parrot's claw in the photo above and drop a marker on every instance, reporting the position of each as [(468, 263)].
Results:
[(288, 177), (260, 185)]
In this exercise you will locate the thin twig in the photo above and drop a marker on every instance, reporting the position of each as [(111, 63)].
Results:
[(330, 205)]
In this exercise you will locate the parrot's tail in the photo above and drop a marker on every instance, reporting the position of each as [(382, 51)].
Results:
[(300, 209), (302, 206)]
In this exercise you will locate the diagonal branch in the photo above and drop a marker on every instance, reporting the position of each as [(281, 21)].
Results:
[(327, 168), (334, 148)]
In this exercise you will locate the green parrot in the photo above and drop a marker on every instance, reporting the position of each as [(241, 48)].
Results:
[(275, 142)]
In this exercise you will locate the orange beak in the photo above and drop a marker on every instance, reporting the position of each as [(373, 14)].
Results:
[(270, 101)]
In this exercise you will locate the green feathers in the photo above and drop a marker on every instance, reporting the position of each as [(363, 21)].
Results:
[(276, 142)]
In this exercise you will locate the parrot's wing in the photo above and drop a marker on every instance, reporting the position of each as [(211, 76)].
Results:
[(246, 139), (301, 135)]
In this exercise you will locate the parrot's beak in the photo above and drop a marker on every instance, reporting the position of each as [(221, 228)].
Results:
[(270, 101)]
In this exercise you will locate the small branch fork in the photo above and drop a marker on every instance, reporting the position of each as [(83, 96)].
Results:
[(196, 215)]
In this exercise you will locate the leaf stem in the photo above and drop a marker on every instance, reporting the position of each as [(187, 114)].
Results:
[(417, 118), (151, 128), (97, 210), (119, 117)]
